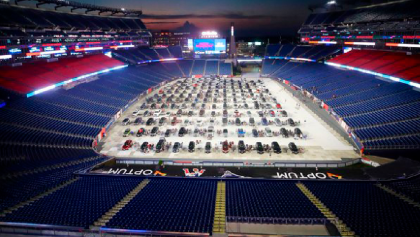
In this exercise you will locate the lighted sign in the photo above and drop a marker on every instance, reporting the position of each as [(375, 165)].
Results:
[(360, 43), (322, 42), (5, 56), (403, 45), (49, 48), (34, 49), (15, 51), (258, 43), (210, 46), (209, 34)]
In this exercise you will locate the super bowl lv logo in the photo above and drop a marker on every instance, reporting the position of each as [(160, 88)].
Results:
[(196, 172)]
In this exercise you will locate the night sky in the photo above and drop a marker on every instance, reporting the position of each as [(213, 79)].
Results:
[(251, 17)]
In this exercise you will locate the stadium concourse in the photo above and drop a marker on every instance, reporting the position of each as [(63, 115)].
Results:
[(99, 130)]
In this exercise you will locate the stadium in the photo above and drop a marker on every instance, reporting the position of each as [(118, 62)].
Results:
[(112, 128)]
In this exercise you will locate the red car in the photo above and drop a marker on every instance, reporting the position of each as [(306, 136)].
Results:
[(127, 145), (278, 106), (225, 147)]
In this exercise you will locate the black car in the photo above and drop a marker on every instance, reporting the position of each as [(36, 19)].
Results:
[(191, 146), (254, 132), (246, 106), (160, 145), (291, 122), (167, 132), (146, 113), (214, 106), (213, 113), (259, 147), (276, 147), (284, 132), (298, 132), (144, 146), (179, 112), (190, 113), (138, 121), (293, 148), (241, 147), (283, 113), (256, 105), (143, 106), (153, 106), (208, 147), (182, 132), (162, 121), (150, 121), (238, 122), (176, 147), (154, 131)]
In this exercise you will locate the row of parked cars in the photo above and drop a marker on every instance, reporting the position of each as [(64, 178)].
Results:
[(226, 147)]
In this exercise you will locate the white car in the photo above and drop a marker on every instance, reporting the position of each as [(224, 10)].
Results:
[(157, 113), (268, 132), (126, 122), (136, 113)]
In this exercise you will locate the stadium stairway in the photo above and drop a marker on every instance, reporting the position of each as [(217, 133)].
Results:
[(341, 226), (205, 67), (399, 195), (192, 66), (219, 223), (36, 198), (121, 204)]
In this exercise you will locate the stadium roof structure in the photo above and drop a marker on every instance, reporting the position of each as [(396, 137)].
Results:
[(88, 7)]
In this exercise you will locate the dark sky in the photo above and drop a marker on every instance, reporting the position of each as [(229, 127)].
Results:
[(251, 17)]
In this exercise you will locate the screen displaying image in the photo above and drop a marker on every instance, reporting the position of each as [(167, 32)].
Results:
[(210, 46)]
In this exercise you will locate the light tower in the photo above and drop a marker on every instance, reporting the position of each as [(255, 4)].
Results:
[(232, 48)]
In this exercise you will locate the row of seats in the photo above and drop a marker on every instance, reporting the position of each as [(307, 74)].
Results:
[(26, 17), (32, 76), (299, 51), (394, 11), (367, 209), (362, 101), (390, 63)]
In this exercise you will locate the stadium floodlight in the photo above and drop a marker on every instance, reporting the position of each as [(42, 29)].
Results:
[(122, 9), (331, 2), (403, 45)]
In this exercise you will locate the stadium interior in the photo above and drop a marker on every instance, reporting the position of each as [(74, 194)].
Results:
[(104, 133)]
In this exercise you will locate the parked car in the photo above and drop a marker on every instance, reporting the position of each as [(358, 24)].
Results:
[(241, 147), (293, 148), (157, 113), (154, 131), (213, 113), (259, 147), (264, 121), (224, 121), (162, 121), (146, 113), (190, 113), (237, 122), (276, 147), (191, 146), (138, 121), (150, 121), (176, 147), (182, 131), (127, 145), (283, 113), (277, 122), (225, 132), (144, 146), (207, 148), (225, 147), (126, 121), (268, 132), (255, 133), (160, 145), (251, 121), (291, 122), (297, 132), (179, 112), (136, 113), (126, 132), (202, 112), (241, 132), (167, 132), (284, 132), (140, 132)]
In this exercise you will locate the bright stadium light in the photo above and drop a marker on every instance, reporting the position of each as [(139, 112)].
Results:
[(331, 2), (122, 9)]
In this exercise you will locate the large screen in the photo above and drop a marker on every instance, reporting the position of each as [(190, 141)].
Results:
[(210, 46)]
